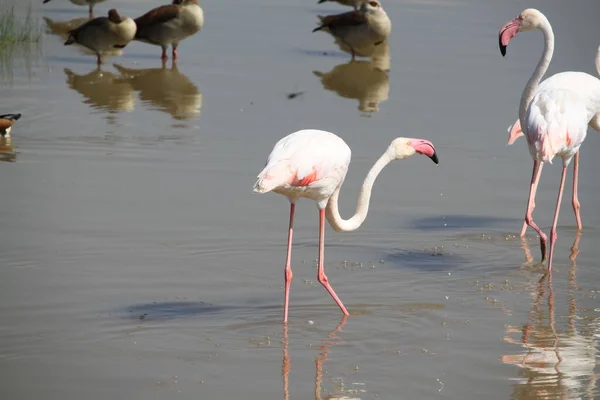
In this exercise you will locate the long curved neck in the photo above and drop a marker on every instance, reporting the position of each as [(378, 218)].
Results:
[(364, 196), (540, 70)]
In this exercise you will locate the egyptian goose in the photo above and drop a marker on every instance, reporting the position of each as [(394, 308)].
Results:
[(352, 3), (90, 3), (104, 34), (6, 122), (170, 24), (367, 27)]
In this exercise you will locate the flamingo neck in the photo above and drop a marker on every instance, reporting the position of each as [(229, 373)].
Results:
[(539, 71), (364, 196)]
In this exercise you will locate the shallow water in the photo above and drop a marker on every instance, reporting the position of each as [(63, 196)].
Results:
[(135, 261)]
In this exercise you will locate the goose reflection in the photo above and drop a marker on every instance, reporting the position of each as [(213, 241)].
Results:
[(166, 89), (61, 30), (103, 90), (331, 340), (555, 364), (366, 81), (7, 153)]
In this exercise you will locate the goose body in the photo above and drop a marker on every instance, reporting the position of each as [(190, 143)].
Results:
[(367, 27), (170, 24), (104, 34)]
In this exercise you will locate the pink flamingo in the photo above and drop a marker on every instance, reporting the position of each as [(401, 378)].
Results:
[(555, 114), (515, 132), (313, 164)]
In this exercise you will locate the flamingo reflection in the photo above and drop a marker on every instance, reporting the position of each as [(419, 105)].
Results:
[(554, 364), (331, 340)]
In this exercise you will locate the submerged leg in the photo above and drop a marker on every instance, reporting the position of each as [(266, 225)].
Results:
[(553, 235), (321, 272), (576, 205), (535, 178), (288, 267)]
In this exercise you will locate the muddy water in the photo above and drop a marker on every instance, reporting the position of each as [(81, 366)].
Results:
[(135, 261)]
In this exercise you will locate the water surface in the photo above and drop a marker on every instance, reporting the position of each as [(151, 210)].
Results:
[(135, 261)]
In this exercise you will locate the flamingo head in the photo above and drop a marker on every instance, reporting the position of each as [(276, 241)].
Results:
[(406, 147), (528, 20)]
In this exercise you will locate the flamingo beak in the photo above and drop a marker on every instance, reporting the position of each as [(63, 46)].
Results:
[(426, 148), (508, 32)]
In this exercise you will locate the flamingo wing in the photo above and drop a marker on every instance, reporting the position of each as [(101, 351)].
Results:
[(556, 123), (304, 158)]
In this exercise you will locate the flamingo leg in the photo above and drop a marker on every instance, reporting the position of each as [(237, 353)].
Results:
[(535, 179), (553, 235), (322, 278), (576, 205), (164, 54), (288, 267), (91, 11)]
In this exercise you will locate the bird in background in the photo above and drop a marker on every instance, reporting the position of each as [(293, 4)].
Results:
[(369, 26), (554, 115), (313, 164), (352, 3), (90, 3), (104, 34), (6, 123), (515, 132), (170, 24)]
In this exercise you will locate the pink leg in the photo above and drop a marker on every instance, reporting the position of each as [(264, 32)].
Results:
[(321, 272), (576, 205), (164, 54), (175, 51), (535, 178), (553, 235), (288, 267)]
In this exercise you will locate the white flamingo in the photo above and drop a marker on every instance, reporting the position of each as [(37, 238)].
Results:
[(313, 164), (555, 114), (515, 132)]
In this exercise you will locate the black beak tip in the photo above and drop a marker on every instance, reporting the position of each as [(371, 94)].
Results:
[(503, 50), (434, 158)]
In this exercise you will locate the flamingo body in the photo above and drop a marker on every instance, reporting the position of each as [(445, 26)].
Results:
[(313, 164), (308, 163), (556, 125)]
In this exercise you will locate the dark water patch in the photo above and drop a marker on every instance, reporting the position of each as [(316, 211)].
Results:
[(434, 259)]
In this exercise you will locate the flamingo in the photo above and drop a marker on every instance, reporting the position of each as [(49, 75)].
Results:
[(515, 132), (313, 164), (555, 115)]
